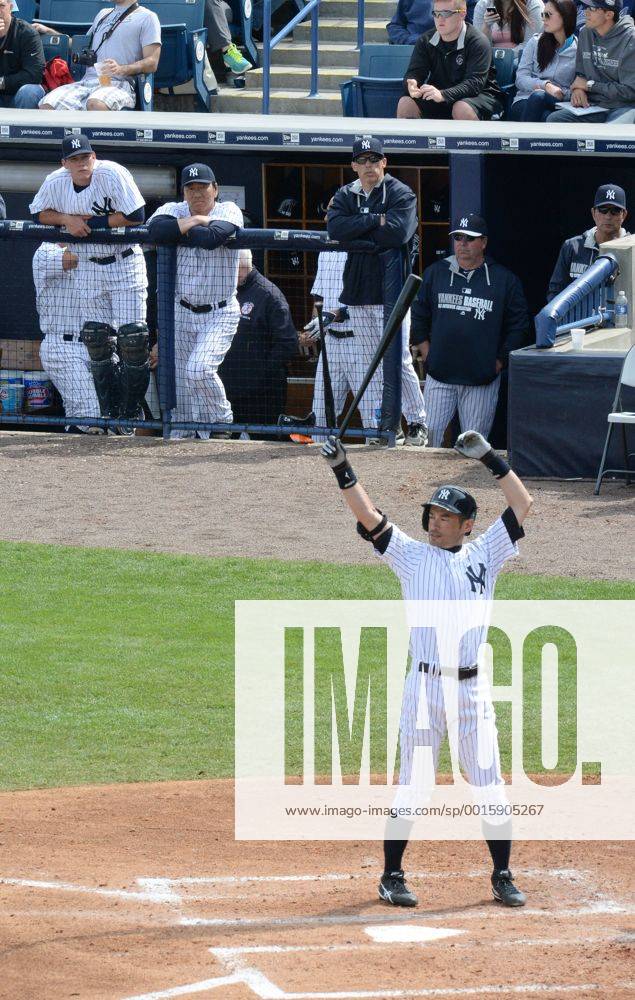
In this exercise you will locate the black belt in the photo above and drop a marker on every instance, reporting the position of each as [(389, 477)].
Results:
[(205, 308), (112, 258), (464, 672), (70, 336), (341, 334)]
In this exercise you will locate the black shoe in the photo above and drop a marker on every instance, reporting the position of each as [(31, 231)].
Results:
[(505, 891), (393, 889), (417, 435)]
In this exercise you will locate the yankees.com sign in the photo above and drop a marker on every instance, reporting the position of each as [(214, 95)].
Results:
[(341, 734)]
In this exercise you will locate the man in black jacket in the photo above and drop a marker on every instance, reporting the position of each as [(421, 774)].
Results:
[(21, 61), (451, 73), (254, 371), (379, 208), (469, 314)]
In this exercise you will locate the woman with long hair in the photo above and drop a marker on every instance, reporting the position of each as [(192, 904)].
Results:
[(547, 65), (509, 24)]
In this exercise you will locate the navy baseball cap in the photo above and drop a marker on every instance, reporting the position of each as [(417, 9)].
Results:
[(610, 194), (75, 145), (470, 225), (197, 173), (367, 144), (615, 5)]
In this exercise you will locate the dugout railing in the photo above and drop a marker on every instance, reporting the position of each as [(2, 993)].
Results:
[(586, 302), (283, 245)]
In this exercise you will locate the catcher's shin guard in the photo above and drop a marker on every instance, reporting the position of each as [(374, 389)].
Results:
[(101, 344), (133, 345)]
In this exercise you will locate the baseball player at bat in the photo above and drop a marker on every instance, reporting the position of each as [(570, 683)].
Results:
[(379, 208), (83, 196), (446, 567), (206, 310)]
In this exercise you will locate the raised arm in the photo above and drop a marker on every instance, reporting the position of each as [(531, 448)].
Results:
[(471, 444), (359, 503)]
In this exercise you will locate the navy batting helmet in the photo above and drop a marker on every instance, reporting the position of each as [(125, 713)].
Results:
[(452, 498)]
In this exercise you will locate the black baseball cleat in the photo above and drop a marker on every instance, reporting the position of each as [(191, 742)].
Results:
[(505, 891), (393, 890)]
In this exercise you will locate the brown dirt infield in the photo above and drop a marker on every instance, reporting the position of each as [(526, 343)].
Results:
[(129, 891)]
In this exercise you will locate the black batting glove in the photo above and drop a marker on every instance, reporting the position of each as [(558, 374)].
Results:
[(334, 453)]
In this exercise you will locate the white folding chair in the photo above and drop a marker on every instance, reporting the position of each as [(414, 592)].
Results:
[(620, 416)]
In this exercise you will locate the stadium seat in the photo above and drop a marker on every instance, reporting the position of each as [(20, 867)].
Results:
[(505, 64), (623, 417), (26, 9), (376, 91), (241, 25), (144, 83), (56, 46)]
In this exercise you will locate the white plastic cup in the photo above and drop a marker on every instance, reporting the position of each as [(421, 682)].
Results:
[(577, 339)]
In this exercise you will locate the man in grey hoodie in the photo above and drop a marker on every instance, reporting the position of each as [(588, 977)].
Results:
[(605, 67)]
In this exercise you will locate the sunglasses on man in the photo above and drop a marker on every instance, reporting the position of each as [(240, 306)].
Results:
[(444, 14), (372, 158), (464, 238), (609, 210)]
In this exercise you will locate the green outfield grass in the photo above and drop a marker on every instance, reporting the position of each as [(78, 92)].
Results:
[(118, 666)]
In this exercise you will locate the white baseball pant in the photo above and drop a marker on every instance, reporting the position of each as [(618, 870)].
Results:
[(476, 405), (68, 366), (115, 306), (201, 341), (368, 323), (348, 360)]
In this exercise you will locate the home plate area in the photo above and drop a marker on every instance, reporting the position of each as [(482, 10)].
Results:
[(295, 937)]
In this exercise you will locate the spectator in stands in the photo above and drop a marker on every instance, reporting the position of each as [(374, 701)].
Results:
[(469, 314), (254, 371), (126, 40), (509, 24), (578, 253), (451, 73), (409, 21), (21, 61), (219, 37), (604, 87), (547, 65)]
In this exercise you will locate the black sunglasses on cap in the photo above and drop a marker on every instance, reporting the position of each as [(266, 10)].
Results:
[(464, 238), (370, 158)]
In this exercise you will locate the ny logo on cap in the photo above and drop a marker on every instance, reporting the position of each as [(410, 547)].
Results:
[(444, 494), (193, 171), (610, 193), (75, 144), (365, 143), (463, 222)]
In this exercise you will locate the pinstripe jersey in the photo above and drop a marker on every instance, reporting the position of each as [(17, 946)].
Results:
[(429, 573), (56, 291), (112, 189), (328, 284), (205, 276)]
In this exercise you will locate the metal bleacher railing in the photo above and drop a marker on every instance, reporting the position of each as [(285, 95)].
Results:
[(584, 303), (269, 44), (393, 266)]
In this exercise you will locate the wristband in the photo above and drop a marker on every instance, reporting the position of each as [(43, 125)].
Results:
[(344, 475), (496, 465), (98, 222)]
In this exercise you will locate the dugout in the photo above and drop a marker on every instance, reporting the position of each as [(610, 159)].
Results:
[(535, 187)]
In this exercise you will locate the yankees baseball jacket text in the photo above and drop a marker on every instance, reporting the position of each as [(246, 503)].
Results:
[(355, 216), (459, 69), (576, 255), (471, 320)]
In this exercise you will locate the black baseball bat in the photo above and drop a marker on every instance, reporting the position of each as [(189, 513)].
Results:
[(329, 402), (407, 294)]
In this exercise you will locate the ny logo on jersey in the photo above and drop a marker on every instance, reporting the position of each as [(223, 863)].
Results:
[(476, 580), (610, 194), (193, 171), (106, 209), (479, 312), (75, 144)]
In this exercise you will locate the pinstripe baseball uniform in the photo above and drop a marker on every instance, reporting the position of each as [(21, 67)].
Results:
[(205, 280), (64, 358), (348, 356), (429, 573), (113, 287)]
